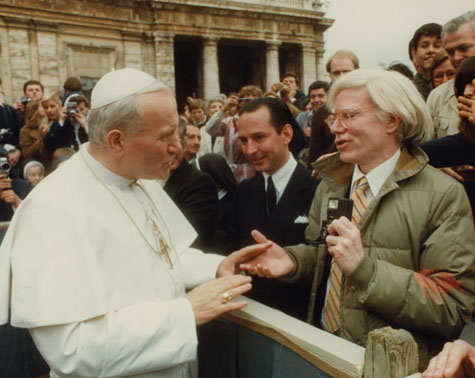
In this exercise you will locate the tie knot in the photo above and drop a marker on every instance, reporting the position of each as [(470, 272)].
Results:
[(362, 184)]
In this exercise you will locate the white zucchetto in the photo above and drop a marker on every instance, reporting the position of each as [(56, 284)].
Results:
[(119, 84)]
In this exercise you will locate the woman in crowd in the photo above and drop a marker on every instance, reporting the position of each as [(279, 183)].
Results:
[(34, 172), (459, 149), (32, 134), (67, 125)]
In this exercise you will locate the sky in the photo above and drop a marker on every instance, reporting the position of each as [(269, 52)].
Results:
[(379, 31)]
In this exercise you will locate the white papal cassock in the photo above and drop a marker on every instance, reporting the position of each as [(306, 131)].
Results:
[(98, 301)]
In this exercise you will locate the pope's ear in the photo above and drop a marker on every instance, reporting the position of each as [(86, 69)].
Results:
[(115, 141), (393, 123)]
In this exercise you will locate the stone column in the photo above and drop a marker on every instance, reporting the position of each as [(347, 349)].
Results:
[(211, 87), (164, 58), (321, 70), (309, 66), (272, 63)]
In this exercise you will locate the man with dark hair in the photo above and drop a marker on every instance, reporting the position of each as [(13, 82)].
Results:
[(317, 93), (72, 87), (458, 36), (425, 44), (192, 142), (289, 90), (32, 90), (277, 199)]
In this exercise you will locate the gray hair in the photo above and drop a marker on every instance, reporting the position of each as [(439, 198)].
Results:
[(124, 114), (453, 25), (31, 164), (182, 125), (394, 95)]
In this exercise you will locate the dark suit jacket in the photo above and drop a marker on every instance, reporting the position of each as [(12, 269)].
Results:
[(249, 212), (195, 194)]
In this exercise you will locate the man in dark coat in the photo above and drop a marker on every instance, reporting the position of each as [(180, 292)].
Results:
[(195, 194), (277, 200)]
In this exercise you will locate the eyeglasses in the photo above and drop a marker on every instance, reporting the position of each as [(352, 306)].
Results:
[(345, 116)]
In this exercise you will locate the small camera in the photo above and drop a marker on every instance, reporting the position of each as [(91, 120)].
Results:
[(337, 207), (4, 165), (25, 100), (282, 87), (5, 135), (71, 109)]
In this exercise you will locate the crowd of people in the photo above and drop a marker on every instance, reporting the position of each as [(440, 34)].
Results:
[(263, 179)]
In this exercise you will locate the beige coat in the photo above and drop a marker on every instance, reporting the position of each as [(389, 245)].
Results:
[(442, 105), (419, 241)]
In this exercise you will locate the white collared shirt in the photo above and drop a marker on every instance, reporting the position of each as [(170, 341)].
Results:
[(282, 177), (376, 177)]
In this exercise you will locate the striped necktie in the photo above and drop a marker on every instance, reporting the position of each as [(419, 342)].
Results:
[(331, 309)]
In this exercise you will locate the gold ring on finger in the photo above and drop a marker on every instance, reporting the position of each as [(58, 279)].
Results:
[(226, 297)]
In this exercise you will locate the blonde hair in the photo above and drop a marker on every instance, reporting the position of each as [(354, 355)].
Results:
[(394, 95)]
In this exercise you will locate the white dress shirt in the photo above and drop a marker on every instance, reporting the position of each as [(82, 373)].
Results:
[(376, 177), (282, 177)]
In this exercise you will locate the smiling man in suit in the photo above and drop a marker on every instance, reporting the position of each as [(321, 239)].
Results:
[(276, 201)]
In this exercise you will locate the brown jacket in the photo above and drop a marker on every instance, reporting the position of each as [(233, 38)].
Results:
[(31, 144)]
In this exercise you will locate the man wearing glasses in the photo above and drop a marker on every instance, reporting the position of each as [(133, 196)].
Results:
[(405, 259)]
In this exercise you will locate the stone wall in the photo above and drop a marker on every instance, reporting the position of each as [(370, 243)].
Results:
[(51, 40)]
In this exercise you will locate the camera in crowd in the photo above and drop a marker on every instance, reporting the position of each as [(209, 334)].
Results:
[(4, 165), (6, 135), (71, 109), (25, 100), (337, 207)]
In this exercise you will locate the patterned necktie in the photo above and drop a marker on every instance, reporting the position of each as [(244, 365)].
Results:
[(331, 310), (270, 196)]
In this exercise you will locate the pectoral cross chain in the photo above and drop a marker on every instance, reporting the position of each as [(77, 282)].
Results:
[(162, 243)]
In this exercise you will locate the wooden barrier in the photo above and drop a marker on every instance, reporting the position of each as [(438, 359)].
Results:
[(331, 355)]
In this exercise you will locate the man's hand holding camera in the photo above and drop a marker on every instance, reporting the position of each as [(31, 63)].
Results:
[(6, 192), (231, 105), (344, 244)]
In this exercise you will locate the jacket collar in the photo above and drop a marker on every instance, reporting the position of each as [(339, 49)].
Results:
[(338, 174)]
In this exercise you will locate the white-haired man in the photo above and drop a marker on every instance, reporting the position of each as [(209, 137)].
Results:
[(458, 37), (98, 256), (406, 257)]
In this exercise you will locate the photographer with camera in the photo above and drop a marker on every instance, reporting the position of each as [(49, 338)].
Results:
[(405, 259), (10, 124), (12, 191), (32, 90), (68, 126), (289, 90)]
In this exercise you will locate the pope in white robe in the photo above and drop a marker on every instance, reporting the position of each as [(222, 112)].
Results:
[(84, 268)]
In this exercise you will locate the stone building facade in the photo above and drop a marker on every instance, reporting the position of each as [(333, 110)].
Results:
[(198, 47)]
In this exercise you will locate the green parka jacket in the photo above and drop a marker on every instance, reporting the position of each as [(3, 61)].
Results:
[(418, 272)]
